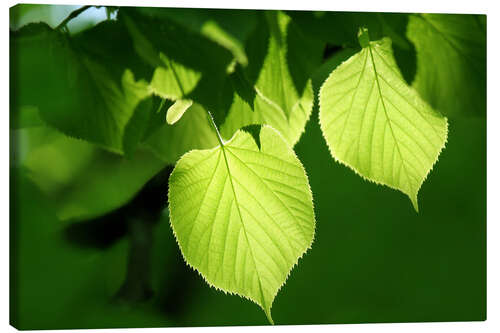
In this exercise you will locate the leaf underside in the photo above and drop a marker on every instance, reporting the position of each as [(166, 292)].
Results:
[(377, 125), (243, 216)]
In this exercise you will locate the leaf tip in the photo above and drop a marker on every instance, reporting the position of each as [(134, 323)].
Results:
[(176, 111), (414, 202), (268, 315)]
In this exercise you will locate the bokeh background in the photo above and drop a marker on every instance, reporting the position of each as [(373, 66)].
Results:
[(76, 251)]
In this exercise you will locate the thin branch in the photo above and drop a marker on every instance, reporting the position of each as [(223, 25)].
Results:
[(72, 15)]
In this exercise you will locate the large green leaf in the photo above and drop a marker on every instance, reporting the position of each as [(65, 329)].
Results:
[(242, 213), (278, 87), (376, 124), (451, 61), (67, 77)]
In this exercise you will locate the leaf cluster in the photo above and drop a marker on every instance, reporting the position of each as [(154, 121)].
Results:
[(224, 95)]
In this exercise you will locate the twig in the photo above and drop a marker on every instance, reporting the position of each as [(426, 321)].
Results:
[(71, 16)]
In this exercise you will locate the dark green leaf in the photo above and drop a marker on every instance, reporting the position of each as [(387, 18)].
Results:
[(78, 83)]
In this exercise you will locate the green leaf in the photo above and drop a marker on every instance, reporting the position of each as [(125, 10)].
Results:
[(280, 90), (322, 72), (377, 125), (61, 74), (242, 215), (228, 28), (451, 61), (176, 111)]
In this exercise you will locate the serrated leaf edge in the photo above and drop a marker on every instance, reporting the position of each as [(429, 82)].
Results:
[(266, 311)]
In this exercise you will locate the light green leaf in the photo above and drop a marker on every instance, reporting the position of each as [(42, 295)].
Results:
[(242, 215), (377, 125), (176, 111), (78, 74), (451, 61), (279, 93)]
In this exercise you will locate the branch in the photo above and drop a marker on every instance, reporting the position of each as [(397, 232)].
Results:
[(71, 16)]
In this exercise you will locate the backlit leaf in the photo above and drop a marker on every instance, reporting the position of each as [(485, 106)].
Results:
[(376, 124), (242, 215)]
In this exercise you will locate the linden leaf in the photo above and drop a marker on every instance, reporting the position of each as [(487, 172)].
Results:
[(451, 61), (376, 124), (243, 216)]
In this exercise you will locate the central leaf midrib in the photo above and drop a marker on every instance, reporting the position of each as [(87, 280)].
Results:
[(386, 115), (243, 224), (176, 77)]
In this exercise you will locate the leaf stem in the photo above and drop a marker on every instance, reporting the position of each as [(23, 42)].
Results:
[(71, 16), (212, 122), (162, 103)]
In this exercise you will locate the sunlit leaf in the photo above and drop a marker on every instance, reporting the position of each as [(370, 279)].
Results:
[(376, 124), (242, 215)]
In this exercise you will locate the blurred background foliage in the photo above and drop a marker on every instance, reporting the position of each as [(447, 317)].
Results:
[(91, 244)]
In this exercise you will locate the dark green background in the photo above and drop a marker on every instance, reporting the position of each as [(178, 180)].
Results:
[(374, 259)]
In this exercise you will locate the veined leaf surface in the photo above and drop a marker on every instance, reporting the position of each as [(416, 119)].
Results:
[(376, 124), (243, 215)]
